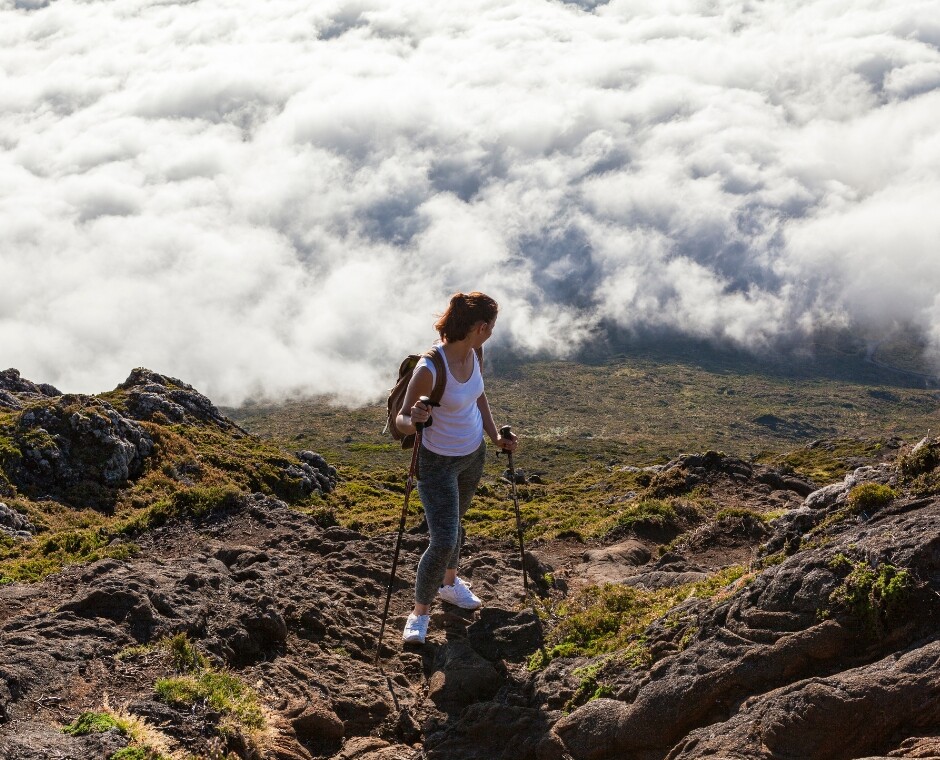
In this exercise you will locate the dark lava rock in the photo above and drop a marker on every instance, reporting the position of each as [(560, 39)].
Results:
[(15, 524), (768, 643), (74, 439), (151, 396)]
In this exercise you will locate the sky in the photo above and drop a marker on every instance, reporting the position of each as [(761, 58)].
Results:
[(268, 199)]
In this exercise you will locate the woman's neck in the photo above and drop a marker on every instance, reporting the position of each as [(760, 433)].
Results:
[(458, 350)]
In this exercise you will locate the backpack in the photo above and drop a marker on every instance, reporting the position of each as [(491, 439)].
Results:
[(396, 396)]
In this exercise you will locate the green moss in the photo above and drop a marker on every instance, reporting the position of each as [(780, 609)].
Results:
[(93, 723), (826, 461), (589, 688), (49, 554)]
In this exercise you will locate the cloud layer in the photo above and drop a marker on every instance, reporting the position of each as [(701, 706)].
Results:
[(274, 198)]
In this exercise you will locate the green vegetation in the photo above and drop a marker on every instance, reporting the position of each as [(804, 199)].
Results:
[(136, 753), (186, 657), (590, 687), (648, 406), (144, 742), (925, 459), (862, 499), (919, 469), (194, 469), (868, 497), (198, 683), (828, 461), (656, 514), (745, 514), (875, 596), (219, 691), (93, 723), (611, 618)]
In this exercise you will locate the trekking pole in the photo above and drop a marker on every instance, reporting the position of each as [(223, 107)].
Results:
[(409, 484), (505, 432)]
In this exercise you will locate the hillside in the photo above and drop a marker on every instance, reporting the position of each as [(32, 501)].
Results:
[(172, 586)]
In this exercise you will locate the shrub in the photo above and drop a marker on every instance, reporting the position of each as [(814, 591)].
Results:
[(874, 596), (870, 496), (919, 470), (185, 656), (923, 460), (649, 513)]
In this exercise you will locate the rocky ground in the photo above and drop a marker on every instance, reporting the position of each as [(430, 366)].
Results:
[(826, 645)]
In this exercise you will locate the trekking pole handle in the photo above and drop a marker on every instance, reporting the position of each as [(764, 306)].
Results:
[(428, 403), (505, 431)]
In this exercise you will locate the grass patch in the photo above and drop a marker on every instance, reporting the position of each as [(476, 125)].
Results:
[(649, 513), (611, 618), (93, 723), (218, 690), (33, 561), (221, 691), (746, 515)]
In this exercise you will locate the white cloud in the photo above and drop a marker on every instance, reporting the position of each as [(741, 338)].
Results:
[(278, 197)]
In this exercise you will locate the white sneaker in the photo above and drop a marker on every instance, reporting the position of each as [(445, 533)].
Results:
[(460, 595), (416, 629)]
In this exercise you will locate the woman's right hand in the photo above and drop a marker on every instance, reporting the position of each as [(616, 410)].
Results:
[(420, 413)]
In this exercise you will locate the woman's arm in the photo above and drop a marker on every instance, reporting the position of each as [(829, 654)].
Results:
[(421, 384), (489, 425)]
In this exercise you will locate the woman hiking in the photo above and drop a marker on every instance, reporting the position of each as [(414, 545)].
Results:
[(450, 461)]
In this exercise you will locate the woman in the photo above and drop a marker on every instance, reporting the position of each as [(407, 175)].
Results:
[(450, 462)]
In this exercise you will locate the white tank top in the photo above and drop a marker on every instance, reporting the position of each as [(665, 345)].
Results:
[(458, 425)]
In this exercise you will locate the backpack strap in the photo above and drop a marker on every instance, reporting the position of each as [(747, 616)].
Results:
[(440, 374)]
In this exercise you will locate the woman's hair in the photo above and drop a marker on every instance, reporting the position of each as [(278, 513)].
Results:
[(463, 312)]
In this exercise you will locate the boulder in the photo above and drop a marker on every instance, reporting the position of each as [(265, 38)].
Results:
[(15, 524), (461, 677)]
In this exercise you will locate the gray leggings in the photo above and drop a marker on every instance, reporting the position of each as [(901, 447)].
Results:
[(446, 485)]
